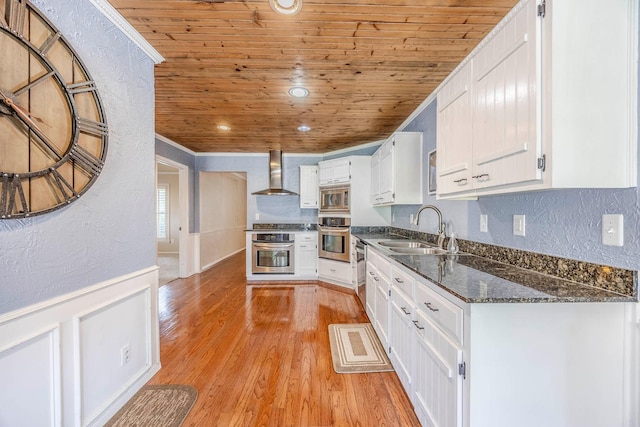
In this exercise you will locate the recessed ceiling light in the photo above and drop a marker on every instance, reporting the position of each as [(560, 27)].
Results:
[(298, 92), (224, 127), (286, 7), (304, 128)]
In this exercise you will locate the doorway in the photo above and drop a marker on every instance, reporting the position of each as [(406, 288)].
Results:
[(171, 219)]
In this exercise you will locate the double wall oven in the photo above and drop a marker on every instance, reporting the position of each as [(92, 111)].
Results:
[(333, 238), (273, 253)]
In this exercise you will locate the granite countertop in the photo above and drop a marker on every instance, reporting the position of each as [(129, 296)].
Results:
[(475, 279), (283, 227)]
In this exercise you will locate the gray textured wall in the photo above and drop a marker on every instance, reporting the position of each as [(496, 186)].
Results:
[(110, 231)]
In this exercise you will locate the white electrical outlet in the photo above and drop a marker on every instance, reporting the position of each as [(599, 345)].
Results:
[(518, 225), (393, 218), (612, 230), (125, 354), (484, 223), (257, 216), (411, 219)]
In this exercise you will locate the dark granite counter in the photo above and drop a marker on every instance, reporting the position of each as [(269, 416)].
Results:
[(283, 227), (475, 279)]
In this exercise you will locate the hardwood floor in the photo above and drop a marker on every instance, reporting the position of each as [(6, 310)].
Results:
[(259, 355)]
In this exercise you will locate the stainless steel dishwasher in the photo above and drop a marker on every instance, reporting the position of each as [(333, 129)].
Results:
[(361, 267)]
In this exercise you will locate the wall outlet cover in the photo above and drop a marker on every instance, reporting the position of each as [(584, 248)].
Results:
[(518, 225), (612, 230), (484, 223)]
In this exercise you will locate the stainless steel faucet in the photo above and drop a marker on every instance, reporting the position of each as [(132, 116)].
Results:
[(441, 225)]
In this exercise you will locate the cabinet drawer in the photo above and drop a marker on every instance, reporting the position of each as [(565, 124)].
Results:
[(381, 264), (443, 313), (306, 237), (402, 281), (336, 270)]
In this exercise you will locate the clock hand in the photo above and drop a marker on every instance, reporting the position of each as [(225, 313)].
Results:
[(23, 115)]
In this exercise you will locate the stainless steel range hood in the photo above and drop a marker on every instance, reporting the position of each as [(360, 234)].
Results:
[(275, 177)]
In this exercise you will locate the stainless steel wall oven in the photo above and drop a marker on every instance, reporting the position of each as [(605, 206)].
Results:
[(333, 238), (272, 253)]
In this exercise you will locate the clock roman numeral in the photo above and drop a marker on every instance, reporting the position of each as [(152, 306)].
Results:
[(11, 188), (49, 43), (85, 160), (15, 15), (88, 86), (33, 83), (93, 128), (65, 189)]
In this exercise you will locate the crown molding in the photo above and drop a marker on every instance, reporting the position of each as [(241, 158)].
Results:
[(123, 25)]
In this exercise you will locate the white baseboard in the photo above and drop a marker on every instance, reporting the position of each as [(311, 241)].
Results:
[(66, 352), (211, 264)]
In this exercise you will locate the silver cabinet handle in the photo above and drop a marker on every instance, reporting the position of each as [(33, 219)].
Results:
[(398, 280), (428, 304), (417, 325), (404, 309), (371, 273), (461, 181), (376, 278)]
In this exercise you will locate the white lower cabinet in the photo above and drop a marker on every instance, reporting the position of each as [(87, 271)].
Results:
[(336, 272), (306, 255), (401, 333), (438, 383), (499, 364), (381, 324)]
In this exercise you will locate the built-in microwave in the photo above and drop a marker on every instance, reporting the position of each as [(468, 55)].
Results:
[(334, 199)]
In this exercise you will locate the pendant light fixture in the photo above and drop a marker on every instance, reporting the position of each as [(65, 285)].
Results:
[(286, 7)]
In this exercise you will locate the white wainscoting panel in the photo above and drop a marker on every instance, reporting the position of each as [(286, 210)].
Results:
[(30, 386), (100, 336), (60, 359)]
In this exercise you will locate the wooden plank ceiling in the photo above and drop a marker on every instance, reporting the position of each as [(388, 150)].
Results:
[(367, 64)]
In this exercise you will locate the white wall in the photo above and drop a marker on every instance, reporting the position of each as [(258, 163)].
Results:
[(223, 212)]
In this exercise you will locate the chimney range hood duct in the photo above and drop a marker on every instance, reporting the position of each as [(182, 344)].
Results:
[(275, 177)]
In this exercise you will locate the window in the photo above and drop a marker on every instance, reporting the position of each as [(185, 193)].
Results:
[(162, 203)]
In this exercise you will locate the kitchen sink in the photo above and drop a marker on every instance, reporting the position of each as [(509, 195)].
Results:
[(409, 244), (425, 250)]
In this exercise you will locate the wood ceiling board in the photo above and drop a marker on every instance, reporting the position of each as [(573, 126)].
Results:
[(368, 65)]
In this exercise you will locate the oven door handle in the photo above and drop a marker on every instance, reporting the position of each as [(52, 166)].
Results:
[(342, 230), (272, 245)]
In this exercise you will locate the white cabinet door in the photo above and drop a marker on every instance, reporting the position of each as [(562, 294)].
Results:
[(334, 171), (506, 145), (387, 173), (402, 337), (309, 187), (382, 309), (454, 133), (375, 178), (372, 289), (306, 254), (437, 383)]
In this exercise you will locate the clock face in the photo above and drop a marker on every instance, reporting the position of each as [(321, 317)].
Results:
[(53, 132)]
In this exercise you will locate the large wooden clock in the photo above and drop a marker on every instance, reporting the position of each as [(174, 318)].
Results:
[(53, 131)]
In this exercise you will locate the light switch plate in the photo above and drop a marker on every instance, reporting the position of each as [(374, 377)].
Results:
[(484, 223), (518, 225), (257, 216), (612, 230)]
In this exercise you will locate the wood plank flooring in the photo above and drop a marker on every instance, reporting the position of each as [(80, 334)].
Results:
[(259, 355)]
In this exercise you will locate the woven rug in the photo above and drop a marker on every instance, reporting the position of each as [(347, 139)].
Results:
[(355, 348), (156, 406)]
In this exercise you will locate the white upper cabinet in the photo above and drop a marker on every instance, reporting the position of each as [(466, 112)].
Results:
[(396, 170), (543, 102), (335, 171), (454, 133), (309, 187)]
